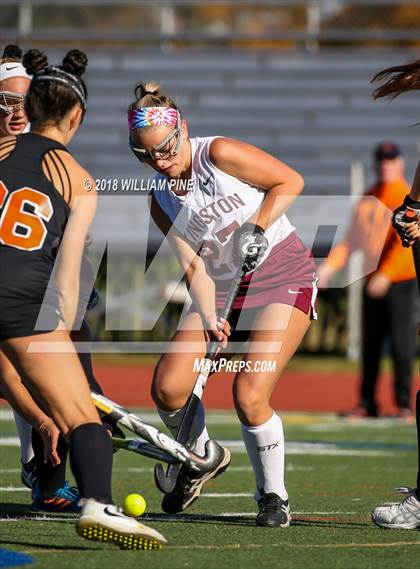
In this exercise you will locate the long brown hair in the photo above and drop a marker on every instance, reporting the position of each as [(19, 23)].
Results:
[(398, 79)]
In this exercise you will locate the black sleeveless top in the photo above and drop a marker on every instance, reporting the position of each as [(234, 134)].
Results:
[(33, 216)]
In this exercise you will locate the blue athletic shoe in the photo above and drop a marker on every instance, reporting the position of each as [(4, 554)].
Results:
[(65, 499)]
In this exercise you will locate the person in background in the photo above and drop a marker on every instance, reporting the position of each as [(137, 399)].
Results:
[(389, 292), (397, 80)]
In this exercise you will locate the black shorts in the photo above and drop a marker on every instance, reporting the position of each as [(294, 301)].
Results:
[(22, 319)]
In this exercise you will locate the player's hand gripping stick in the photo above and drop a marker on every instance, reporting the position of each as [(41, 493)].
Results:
[(166, 481)]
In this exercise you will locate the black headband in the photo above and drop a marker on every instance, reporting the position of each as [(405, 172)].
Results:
[(58, 75)]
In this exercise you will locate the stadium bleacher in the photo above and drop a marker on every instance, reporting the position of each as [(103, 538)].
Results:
[(311, 109)]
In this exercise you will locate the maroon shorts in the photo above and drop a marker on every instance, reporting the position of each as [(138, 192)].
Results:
[(287, 276)]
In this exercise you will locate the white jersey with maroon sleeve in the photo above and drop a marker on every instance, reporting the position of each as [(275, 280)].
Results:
[(216, 205)]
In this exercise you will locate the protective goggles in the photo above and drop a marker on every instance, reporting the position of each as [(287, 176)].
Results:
[(11, 102), (166, 149)]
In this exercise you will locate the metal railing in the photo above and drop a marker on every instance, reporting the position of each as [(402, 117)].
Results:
[(202, 2), (167, 32)]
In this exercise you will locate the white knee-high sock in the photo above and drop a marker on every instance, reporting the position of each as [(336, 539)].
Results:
[(24, 430), (172, 420), (265, 447)]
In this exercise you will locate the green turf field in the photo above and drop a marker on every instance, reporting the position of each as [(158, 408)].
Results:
[(336, 473)]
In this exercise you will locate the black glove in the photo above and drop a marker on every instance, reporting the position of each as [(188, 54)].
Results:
[(249, 245), (398, 218), (93, 299)]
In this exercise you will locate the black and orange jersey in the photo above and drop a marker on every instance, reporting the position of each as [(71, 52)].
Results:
[(33, 214), (33, 217)]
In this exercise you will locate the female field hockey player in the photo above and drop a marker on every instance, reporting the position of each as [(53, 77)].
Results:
[(237, 204), (14, 82), (50, 491), (45, 210), (397, 80)]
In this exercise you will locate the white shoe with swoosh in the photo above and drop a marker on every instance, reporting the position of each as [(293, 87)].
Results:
[(107, 523)]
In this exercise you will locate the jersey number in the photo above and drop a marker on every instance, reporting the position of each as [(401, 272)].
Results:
[(212, 253), (20, 228)]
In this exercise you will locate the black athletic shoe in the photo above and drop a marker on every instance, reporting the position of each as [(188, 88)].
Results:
[(188, 488), (274, 512)]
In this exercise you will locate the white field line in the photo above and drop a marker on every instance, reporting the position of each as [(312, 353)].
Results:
[(253, 514), (237, 446), (309, 421), (212, 495), (38, 519), (135, 470), (296, 545), (341, 424), (228, 495), (14, 489), (288, 468), (153, 418), (9, 441), (262, 546), (248, 495), (173, 518), (298, 448), (6, 415)]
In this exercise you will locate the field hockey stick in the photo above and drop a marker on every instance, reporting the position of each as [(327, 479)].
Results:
[(166, 481), (416, 256), (151, 451), (166, 448), (144, 448), (409, 216)]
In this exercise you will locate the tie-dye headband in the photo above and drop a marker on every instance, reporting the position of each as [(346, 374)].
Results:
[(152, 116)]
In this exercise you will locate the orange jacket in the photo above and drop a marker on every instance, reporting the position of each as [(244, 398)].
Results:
[(372, 233)]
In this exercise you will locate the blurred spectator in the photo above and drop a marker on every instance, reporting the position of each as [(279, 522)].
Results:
[(389, 293)]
